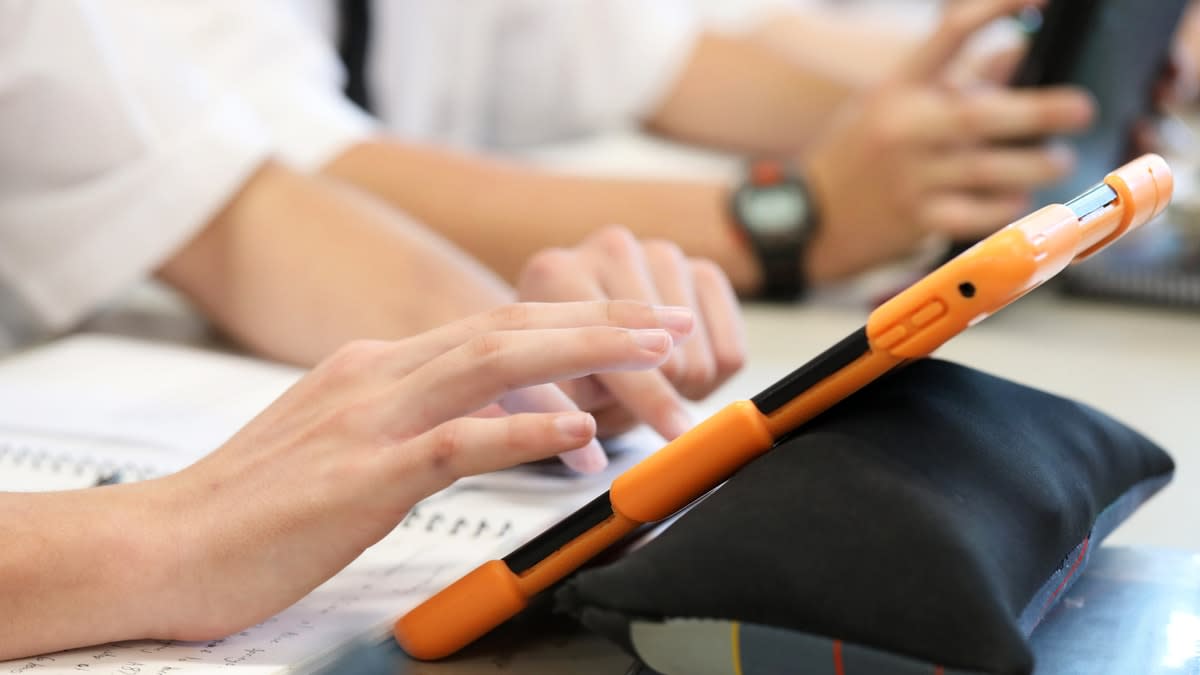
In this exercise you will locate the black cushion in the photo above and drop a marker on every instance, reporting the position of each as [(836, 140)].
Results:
[(924, 524)]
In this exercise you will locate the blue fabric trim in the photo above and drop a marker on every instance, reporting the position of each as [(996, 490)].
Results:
[(1108, 520), (765, 650), (770, 651)]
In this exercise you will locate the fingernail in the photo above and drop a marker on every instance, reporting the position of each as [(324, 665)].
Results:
[(1085, 107), (576, 425), (588, 459), (677, 319), (678, 424), (653, 340), (1062, 155)]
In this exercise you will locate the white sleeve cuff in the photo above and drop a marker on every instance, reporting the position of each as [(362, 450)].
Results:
[(71, 248), (311, 123), (654, 50), (532, 72), (281, 66)]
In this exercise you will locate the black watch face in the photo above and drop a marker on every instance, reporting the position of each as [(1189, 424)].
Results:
[(774, 211)]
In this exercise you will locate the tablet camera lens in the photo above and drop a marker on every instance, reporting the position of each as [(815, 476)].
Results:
[(967, 289)]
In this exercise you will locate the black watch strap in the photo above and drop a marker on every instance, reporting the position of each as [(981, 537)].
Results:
[(783, 275), (779, 246)]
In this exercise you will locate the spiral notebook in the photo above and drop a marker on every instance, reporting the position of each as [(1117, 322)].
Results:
[(35, 463), (33, 468), (1157, 265), (92, 409)]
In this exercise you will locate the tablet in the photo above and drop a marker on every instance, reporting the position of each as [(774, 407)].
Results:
[(965, 290), (1116, 49)]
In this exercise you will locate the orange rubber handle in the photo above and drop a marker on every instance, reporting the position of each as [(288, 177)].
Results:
[(653, 489), (461, 613), (692, 464)]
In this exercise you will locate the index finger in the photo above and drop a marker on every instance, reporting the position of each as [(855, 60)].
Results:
[(958, 24), (492, 365), (543, 315), (999, 114)]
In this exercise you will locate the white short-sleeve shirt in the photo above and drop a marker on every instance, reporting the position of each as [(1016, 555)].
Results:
[(469, 73), (112, 156), (482, 73)]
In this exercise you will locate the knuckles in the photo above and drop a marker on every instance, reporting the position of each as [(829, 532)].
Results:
[(728, 361), (973, 115), (631, 313), (445, 447), (547, 266), (660, 252), (884, 122), (616, 243), (978, 170), (351, 361), (486, 348), (707, 272), (698, 378), (513, 316)]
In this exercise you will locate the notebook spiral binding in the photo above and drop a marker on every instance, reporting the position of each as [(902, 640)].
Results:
[(1150, 286), (438, 522), (41, 459)]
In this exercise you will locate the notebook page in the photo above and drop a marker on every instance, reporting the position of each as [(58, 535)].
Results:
[(184, 402)]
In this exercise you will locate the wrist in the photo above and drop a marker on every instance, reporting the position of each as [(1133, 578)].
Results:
[(146, 537), (830, 254), (776, 217), (79, 569), (821, 255)]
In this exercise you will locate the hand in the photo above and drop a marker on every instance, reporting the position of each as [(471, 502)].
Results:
[(340, 458), (611, 263), (1178, 84), (1180, 80), (918, 156)]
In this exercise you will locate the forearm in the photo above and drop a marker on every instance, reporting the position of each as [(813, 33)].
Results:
[(843, 48), (1187, 55), (738, 94), (297, 265), (503, 213), (78, 568)]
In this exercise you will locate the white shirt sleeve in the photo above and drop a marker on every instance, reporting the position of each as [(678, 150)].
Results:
[(275, 59), (465, 72), (508, 72), (111, 156), (736, 16)]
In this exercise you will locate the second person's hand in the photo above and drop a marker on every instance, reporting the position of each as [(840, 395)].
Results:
[(613, 264), (919, 156)]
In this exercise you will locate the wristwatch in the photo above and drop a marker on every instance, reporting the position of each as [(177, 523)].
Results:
[(774, 211)]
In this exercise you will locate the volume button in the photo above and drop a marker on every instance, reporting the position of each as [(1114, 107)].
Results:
[(928, 313), (891, 337)]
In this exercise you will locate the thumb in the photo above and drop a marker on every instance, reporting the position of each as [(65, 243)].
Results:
[(961, 20)]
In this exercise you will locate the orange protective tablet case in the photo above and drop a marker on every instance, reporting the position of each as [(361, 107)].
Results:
[(965, 290)]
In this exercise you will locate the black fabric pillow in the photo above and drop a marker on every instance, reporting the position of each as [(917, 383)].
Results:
[(925, 525)]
